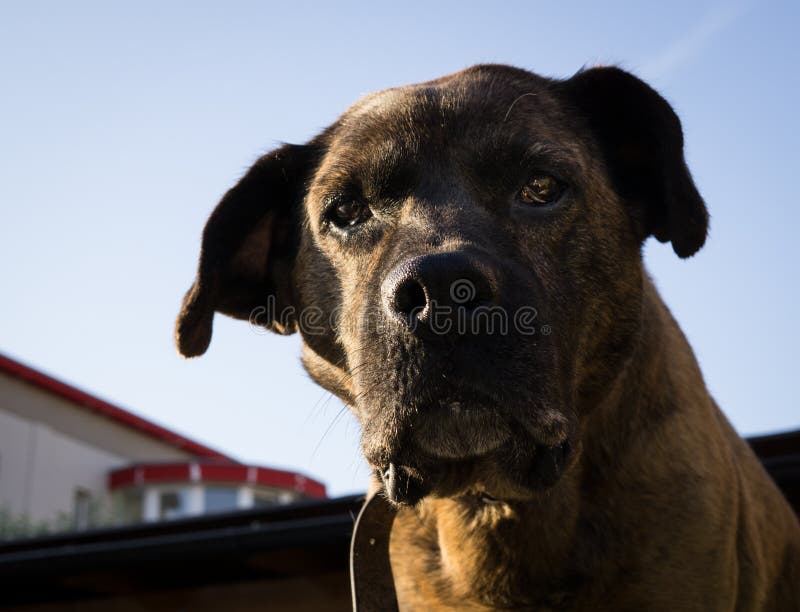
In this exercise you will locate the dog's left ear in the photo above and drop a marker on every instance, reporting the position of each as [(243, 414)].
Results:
[(248, 250), (642, 144)]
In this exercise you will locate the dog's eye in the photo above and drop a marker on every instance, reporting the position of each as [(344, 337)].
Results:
[(349, 213), (541, 190)]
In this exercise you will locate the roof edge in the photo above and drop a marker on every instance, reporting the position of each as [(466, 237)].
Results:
[(91, 403), (139, 474)]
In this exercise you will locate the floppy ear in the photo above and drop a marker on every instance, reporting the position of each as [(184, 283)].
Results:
[(641, 140), (248, 250)]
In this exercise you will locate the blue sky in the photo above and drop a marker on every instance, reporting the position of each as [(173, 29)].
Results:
[(123, 123)]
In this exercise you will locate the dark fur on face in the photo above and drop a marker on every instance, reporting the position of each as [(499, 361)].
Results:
[(462, 260), (440, 166)]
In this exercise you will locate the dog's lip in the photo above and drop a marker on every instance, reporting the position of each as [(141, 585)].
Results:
[(407, 482), (487, 499), (459, 430), (471, 399)]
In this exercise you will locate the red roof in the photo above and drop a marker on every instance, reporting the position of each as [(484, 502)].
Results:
[(214, 471), (93, 404)]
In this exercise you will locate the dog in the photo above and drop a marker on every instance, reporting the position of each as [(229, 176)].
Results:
[(462, 258)]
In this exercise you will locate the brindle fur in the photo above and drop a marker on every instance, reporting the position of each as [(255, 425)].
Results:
[(660, 505)]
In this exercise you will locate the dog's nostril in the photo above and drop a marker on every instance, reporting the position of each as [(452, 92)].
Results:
[(409, 298), (435, 294)]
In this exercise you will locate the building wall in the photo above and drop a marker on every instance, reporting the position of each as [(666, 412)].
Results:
[(49, 449), (42, 469), (15, 462), (31, 403)]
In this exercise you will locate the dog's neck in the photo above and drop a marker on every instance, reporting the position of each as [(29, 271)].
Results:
[(498, 554)]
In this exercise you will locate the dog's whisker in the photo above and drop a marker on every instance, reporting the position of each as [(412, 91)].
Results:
[(517, 99), (328, 429)]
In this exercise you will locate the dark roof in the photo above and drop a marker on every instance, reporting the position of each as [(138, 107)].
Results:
[(780, 455), (308, 540)]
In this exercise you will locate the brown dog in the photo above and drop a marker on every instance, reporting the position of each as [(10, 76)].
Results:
[(462, 259)]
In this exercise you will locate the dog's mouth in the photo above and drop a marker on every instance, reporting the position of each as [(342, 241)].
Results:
[(464, 447), (505, 474), (458, 432)]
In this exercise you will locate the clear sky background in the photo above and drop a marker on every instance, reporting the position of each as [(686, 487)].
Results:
[(121, 125)]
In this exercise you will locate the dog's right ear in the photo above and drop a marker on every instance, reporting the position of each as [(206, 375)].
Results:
[(248, 250)]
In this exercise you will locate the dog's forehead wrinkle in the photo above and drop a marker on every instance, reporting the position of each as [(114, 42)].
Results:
[(441, 133), (486, 94), (447, 163)]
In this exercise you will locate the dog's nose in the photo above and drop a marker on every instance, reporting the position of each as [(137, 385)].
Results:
[(439, 292)]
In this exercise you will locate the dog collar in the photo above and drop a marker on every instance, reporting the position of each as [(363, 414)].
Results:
[(371, 579)]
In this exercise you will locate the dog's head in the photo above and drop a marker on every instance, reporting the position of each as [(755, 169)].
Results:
[(462, 259)]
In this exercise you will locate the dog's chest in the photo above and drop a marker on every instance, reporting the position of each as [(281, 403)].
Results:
[(472, 561)]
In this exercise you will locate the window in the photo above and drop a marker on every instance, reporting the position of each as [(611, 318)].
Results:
[(81, 509), (262, 499), (128, 506), (172, 503), (220, 499)]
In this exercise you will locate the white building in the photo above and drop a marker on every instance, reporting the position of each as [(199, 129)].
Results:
[(71, 460)]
